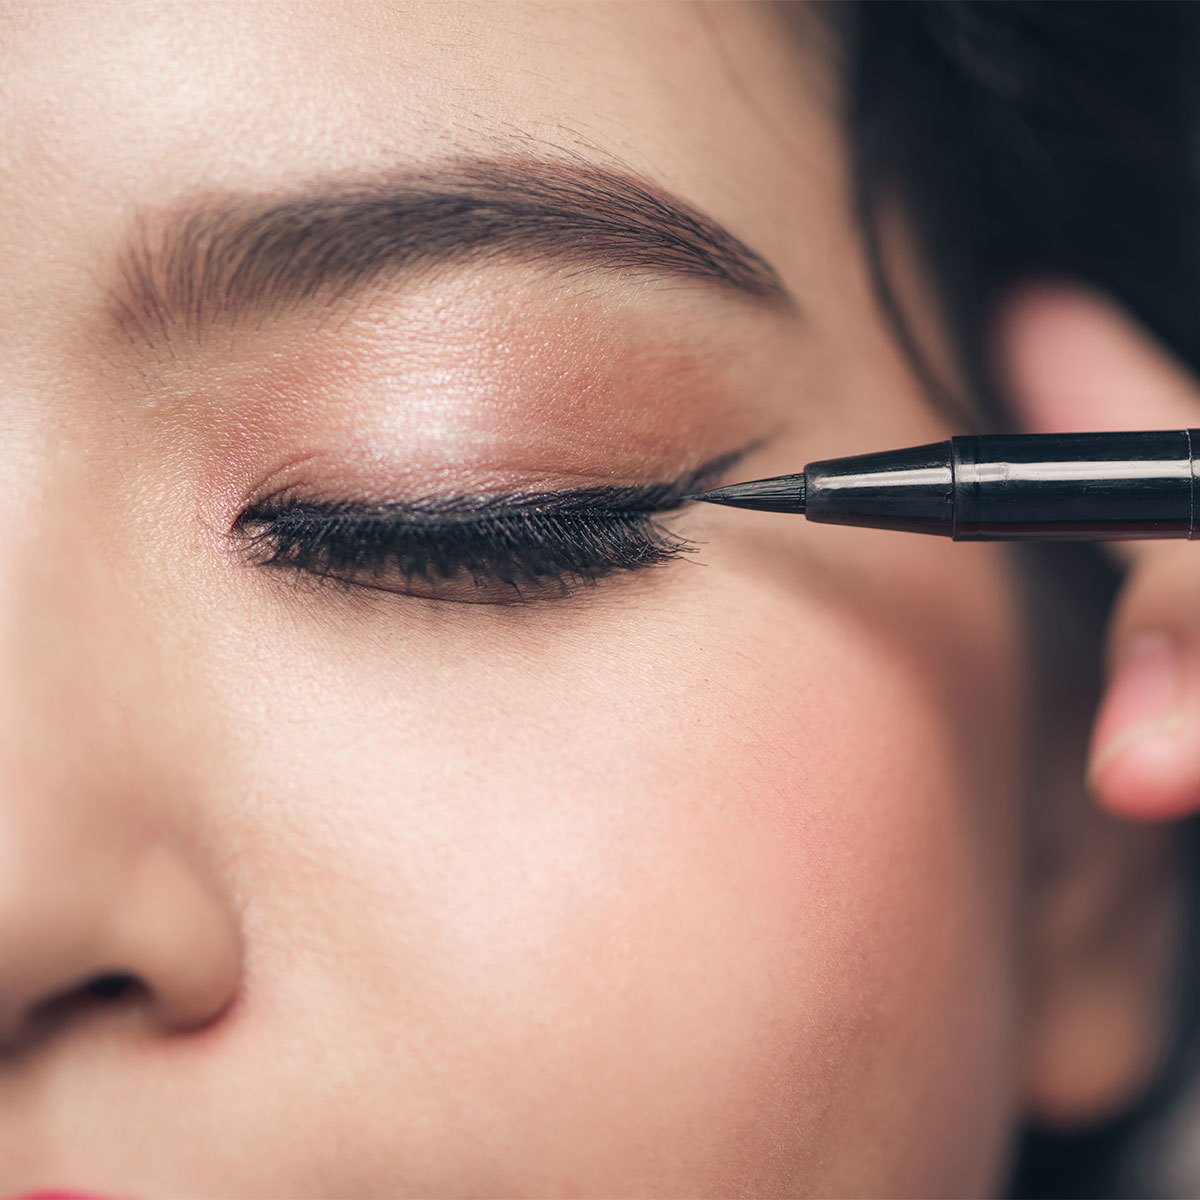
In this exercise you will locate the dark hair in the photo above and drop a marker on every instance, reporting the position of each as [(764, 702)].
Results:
[(1029, 139)]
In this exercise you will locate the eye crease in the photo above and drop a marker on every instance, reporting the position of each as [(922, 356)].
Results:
[(488, 548)]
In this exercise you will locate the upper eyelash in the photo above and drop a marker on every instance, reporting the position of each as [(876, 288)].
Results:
[(524, 547), (525, 540)]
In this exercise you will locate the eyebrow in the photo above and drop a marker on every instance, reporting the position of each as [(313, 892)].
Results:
[(220, 258)]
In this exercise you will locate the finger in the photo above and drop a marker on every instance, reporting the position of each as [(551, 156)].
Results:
[(1144, 757)]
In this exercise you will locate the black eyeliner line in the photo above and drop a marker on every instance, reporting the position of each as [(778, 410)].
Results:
[(432, 511)]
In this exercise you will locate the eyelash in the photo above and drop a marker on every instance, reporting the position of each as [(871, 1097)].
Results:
[(458, 551)]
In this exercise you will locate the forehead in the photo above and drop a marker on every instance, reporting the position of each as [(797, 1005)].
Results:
[(375, 80), (109, 104)]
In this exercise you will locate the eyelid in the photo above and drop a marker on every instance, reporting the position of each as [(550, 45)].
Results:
[(661, 496), (449, 546)]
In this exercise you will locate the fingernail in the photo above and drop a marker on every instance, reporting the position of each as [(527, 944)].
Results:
[(1142, 701)]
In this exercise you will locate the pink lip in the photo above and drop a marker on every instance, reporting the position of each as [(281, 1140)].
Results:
[(59, 1195)]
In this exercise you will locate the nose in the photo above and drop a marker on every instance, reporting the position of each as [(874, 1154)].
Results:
[(112, 905), (88, 925)]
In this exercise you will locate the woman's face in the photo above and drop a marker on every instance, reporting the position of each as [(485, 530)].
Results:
[(697, 880)]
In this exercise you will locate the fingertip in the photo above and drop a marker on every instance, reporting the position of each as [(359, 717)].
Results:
[(1148, 775), (1144, 759)]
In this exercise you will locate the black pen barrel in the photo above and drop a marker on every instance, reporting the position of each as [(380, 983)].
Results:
[(1082, 486), (910, 489)]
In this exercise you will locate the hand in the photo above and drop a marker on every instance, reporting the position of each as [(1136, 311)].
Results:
[(1076, 361)]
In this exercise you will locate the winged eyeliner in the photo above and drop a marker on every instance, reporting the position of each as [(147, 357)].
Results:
[(527, 542)]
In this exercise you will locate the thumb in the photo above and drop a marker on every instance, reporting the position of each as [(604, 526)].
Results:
[(1073, 360)]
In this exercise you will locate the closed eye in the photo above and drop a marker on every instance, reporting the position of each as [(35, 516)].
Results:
[(491, 548)]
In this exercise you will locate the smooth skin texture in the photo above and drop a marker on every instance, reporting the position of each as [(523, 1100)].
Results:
[(712, 880)]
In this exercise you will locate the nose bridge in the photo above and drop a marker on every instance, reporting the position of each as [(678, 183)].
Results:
[(69, 667), (70, 650)]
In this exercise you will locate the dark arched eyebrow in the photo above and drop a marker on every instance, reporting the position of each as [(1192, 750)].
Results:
[(221, 257)]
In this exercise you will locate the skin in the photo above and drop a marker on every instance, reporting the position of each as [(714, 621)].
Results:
[(709, 880)]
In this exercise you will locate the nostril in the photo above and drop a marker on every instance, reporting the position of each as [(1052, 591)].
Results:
[(74, 1003), (109, 985)]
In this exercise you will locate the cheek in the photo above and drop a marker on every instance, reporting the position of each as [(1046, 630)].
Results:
[(726, 889)]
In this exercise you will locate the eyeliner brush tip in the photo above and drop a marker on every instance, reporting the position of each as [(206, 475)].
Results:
[(784, 493)]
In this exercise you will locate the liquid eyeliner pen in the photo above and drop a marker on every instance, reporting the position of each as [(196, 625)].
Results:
[(1001, 487)]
